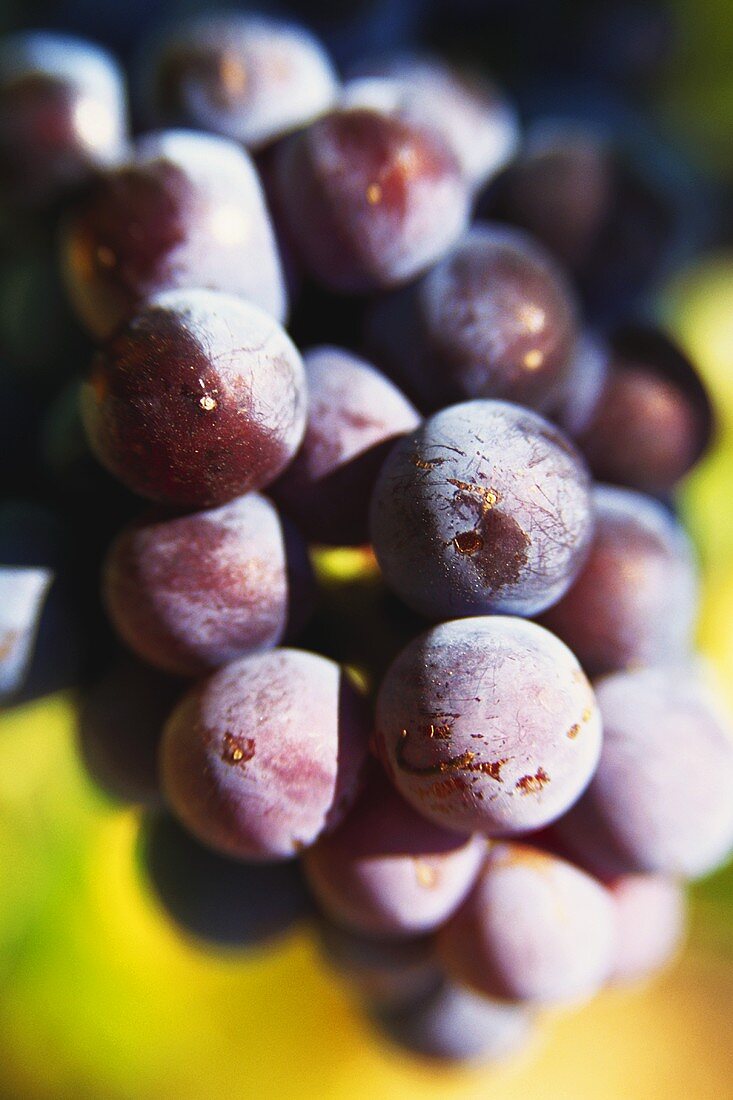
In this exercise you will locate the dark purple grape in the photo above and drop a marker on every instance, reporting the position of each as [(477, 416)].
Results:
[(558, 189), (650, 922), (186, 211), (660, 799), (488, 725), (370, 200), (472, 115), (121, 720), (200, 398), (189, 593), (534, 929), (593, 204), (387, 871), (635, 600), (495, 318), (218, 900), (583, 389), (452, 1024), (485, 507), (654, 420), (62, 114), (354, 414), (248, 77), (267, 753), (383, 973)]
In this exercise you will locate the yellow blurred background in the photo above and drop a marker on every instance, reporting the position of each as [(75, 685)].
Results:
[(102, 997)]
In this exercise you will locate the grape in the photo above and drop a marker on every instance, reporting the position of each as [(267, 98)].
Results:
[(452, 1024), (488, 725), (596, 206), (354, 413), (654, 420), (185, 211), (248, 77), (474, 118), (495, 318), (264, 755), (62, 114), (216, 899), (120, 723), (584, 386), (485, 507), (635, 600), (534, 929), (659, 802), (384, 973), (650, 918), (388, 872), (193, 592), (370, 200), (198, 399), (558, 189)]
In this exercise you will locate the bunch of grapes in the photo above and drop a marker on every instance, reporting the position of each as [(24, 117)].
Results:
[(398, 613)]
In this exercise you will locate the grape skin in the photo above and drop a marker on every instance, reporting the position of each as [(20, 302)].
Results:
[(354, 414), (370, 200), (635, 600), (473, 116), (603, 208), (654, 420), (386, 871), (659, 802), (650, 919), (186, 210), (192, 592), (453, 1024), (534, 929), (485, 507), (488, 725), (63, 114), (495, 318), (265, 754), (248, 77), (583, 390), (200, 398)]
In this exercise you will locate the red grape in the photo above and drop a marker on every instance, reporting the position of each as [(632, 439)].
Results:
[(267, 753), (198, 399), (535, 928), (354, 414), (370, 200), (488, 724), (189, 593), (387, 871), (186, 211)]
